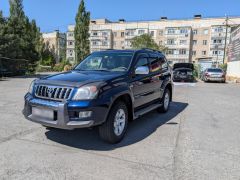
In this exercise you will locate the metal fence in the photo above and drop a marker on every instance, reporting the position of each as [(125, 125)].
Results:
[(12, 67)]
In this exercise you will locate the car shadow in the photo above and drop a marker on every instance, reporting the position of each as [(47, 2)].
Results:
[(88, 139)]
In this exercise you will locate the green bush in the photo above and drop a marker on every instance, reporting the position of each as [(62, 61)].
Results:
[(60, 67), (224, 67), (41, 68)]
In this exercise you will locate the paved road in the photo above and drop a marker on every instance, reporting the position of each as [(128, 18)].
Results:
[(198, 139)]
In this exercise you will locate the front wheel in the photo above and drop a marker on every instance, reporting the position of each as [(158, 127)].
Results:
[(165, 101), (114, 129)]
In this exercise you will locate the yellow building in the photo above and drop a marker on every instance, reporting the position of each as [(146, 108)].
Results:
[(188, 40)]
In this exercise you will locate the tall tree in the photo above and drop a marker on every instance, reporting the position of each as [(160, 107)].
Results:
[(81, 33), (146, 41), (3, 37), (16, 30)]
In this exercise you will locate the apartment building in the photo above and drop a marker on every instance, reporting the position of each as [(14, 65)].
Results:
[(191, 40), (57, 42), (233, 70)]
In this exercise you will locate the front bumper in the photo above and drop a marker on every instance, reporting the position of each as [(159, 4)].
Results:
[(63, 111)]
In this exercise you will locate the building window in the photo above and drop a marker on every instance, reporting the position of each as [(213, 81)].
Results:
[(114, 43), (105, 43), (115, 34), (94, 43), (204, 42), (170, 41), (171, 31), (183, 42), (170, 51), (183, 31), (122, 34), (152, 33), (194, 42), (204, 53), (95, 33), (218, 29), (160, 32), (205, 31), (217, 41), (216, 52), (104, 33), (70, 43), (182, 51), (194, 53), (140, 32), (195, 31), (70, 34), (160, 43)]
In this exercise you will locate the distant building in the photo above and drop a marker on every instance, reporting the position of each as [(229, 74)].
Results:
[(57, 42), (233, 70), (190, 40)]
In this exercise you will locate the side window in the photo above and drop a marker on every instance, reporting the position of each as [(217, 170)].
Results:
[(142, 61), (154, 64), (164, 63)]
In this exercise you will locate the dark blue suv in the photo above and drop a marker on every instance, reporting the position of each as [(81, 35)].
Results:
[(107, 89)]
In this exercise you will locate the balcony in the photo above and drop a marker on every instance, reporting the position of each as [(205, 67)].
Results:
[(178, 56)]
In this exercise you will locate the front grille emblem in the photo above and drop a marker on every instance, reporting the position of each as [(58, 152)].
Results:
[(50, 91)]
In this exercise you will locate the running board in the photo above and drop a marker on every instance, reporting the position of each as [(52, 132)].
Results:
[(143, 111)]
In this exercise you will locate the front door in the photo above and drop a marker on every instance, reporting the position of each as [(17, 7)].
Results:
[(141, 84)]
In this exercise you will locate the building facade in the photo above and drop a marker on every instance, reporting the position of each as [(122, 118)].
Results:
[(56, 42), (233, 70), (192, 40)]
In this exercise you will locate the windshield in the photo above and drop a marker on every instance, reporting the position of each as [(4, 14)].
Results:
[(107, 61), (215, 70)]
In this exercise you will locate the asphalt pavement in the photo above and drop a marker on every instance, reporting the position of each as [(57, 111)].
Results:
[(197, 139)]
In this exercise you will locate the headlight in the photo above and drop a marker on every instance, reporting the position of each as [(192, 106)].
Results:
[(30, 90), (86, 92)]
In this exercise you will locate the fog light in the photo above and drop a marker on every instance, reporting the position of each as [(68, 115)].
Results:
[(85, 114)]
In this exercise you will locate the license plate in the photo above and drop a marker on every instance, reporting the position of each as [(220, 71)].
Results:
[(43, 113)]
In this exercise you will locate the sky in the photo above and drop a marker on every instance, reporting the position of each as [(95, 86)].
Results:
[(57, 14)]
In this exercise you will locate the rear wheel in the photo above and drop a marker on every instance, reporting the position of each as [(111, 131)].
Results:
[(165, 101), (114, 129)]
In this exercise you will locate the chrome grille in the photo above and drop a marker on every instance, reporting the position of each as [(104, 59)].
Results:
[(53, 92)]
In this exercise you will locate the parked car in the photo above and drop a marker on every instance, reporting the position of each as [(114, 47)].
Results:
[(183, 72), (107, 89), (214, 74)]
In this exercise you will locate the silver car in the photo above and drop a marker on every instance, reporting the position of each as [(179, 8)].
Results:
[(214, 74)]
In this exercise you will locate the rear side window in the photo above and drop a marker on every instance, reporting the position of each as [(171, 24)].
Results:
[(155, 64)]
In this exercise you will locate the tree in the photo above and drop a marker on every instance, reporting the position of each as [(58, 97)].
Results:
[(146, 41), (3, 37), (47, 55), (81, 33)]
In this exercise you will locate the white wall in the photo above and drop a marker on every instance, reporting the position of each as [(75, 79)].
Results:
[(233, 69)]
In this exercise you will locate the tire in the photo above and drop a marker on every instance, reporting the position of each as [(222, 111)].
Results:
[(112, 131), (165, 103)]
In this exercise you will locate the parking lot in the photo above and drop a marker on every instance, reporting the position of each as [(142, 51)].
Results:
[(197, 139)]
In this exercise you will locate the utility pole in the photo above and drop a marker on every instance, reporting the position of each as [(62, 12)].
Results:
[(226, 34)]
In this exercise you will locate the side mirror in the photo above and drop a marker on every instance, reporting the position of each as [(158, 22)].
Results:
[(142, 70)]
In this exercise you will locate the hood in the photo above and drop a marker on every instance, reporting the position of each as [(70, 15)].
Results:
[(183, 65), (79, 78)]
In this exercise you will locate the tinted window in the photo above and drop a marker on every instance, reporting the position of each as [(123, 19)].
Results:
[(215, 70), (155, 64), (142, 61)]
